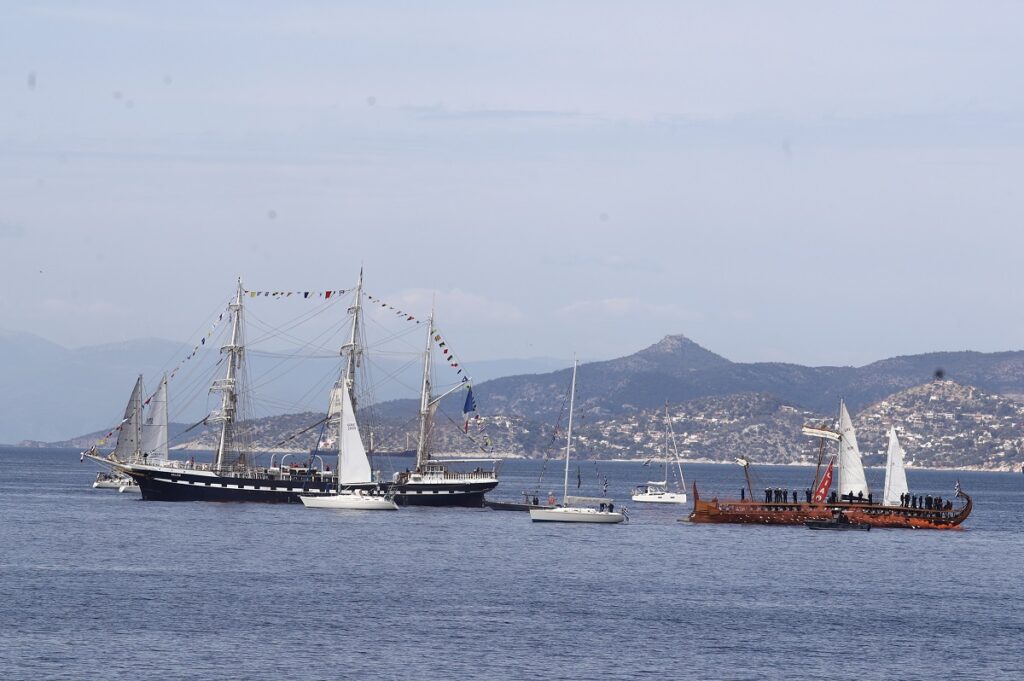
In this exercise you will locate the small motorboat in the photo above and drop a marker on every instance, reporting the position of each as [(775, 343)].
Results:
[(839, 521), (529, 502), (105, 480), (129, 486)]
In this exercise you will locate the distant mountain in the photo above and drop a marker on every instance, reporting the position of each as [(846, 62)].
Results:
[(941, 424), (751, 408), (51, 392), (676, 369)]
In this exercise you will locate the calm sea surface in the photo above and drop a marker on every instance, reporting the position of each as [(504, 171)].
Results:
[(100, 585)]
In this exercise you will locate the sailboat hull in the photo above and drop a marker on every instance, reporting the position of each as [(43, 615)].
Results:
[(660, 498), (571, 514), (350, 502)]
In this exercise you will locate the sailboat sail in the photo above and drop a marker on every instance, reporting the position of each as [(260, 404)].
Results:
[(154, 428), (895, 474), (353, 465), (128, 434), (851, 469)]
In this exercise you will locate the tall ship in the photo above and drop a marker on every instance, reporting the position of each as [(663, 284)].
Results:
[(435, 481), (233, 474), (852, 501)]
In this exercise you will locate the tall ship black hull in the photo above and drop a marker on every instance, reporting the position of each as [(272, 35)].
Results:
[(142, 450), (163, 484), (468, 495), (170, 485)]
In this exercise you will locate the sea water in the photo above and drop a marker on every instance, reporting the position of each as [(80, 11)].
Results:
[(100, 585)]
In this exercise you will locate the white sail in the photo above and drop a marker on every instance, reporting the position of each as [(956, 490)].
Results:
[(353, 465), (128, 432), (851, 469), (895, 474), (154, 428)]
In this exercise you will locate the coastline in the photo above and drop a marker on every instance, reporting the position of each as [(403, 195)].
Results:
[(1004, 468)]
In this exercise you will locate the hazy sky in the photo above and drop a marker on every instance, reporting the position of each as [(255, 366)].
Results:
[(823, 183)]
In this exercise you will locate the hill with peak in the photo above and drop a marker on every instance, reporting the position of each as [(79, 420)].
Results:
[(677, 369)]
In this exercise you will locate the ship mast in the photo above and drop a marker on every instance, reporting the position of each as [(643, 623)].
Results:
[(839, 459), (423, 447), (226, 386), (352, 351), (568, 437), (665, 451), (137, 423)]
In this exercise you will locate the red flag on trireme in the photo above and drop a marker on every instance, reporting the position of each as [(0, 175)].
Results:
[(826, 481)]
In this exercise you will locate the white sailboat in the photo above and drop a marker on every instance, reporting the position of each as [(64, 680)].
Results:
[(852, 483), (895, 473), (657, 491), (356, 490), (354, 474), (576, 509)]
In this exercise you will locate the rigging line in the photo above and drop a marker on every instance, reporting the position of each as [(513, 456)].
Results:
[(272, 355), (309, 315), (393, 335), (394, 376), (192, 427), (169, 362), (464, 433), (387, 437), (272, 333), (268, 376), (328, 333), (304, 430)]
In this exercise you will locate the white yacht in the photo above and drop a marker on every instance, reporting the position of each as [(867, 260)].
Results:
[(577, 509)]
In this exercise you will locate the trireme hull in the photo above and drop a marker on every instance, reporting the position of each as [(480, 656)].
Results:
[(875, 515)]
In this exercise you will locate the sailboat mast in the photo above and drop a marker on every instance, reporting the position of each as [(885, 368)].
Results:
[(666, 445), (568, 437), (422, 448), (137, 422), (226, 385), (352, 349), (821, 457)]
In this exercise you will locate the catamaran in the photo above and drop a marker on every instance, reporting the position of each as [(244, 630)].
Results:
[(657, 492), (575, 509)]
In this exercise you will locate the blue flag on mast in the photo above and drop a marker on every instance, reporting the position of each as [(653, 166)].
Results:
[(468, 408)]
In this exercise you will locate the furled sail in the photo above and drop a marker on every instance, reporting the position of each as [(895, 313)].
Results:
[(851, 469), (895, 474), (128, 432), (154, 428), (353, 465)]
